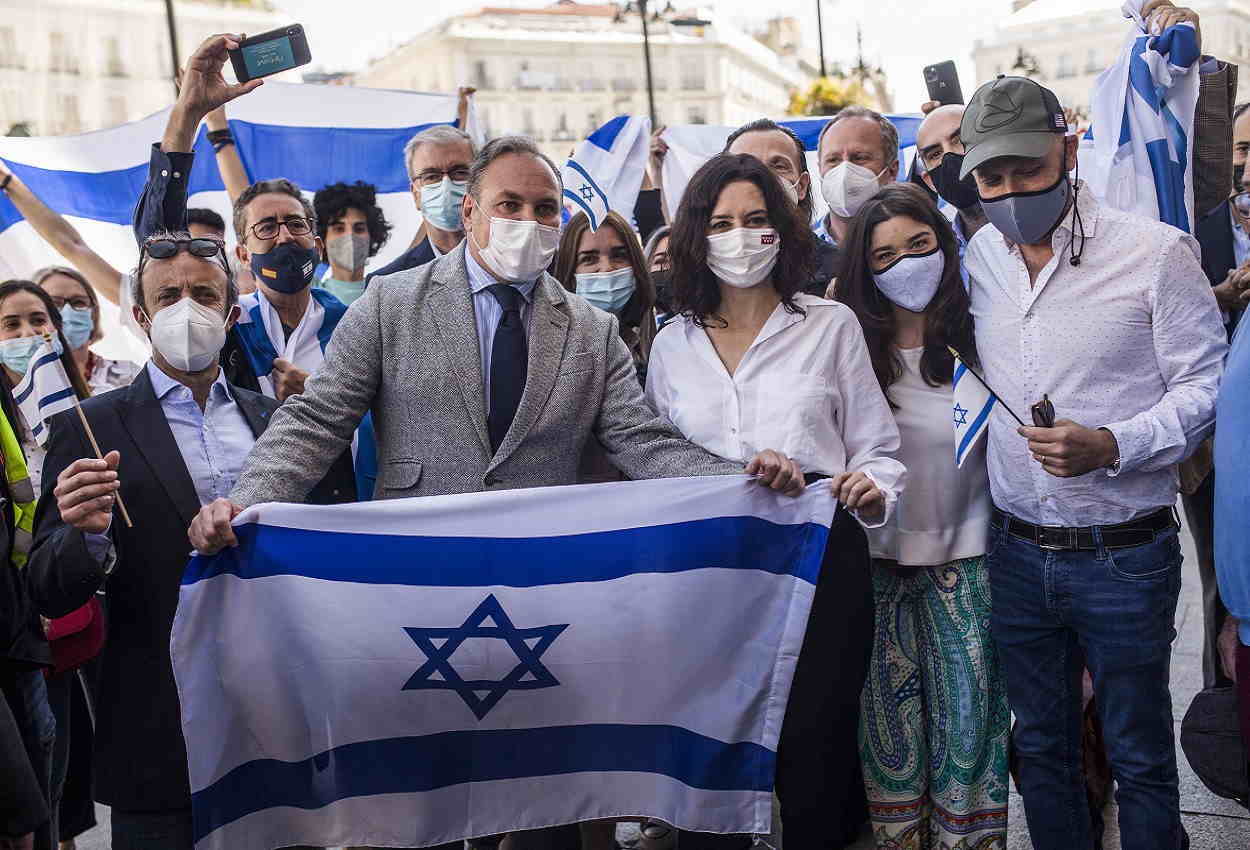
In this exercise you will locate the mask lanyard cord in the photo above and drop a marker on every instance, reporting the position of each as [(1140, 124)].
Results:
[(1074, 255)]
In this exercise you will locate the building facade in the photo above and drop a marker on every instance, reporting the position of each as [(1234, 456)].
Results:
[(1071, 42), (557, 73), (70, 66)]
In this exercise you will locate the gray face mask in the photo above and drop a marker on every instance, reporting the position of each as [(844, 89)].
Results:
[(349, 251), (1026, 217)]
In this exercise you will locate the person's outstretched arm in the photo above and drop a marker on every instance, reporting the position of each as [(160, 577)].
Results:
[(62, 236)]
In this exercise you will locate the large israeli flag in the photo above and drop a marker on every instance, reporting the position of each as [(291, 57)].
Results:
[(606, 171), (312, 134), (412, 672), (692, 145), (1142, 112)]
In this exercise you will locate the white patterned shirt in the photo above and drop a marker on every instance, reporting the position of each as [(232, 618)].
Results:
[(1129, 340)]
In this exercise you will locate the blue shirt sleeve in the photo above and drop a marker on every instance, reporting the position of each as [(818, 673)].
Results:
[(163, 204)]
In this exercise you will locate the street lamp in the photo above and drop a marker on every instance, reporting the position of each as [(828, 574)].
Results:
[(640, 6)]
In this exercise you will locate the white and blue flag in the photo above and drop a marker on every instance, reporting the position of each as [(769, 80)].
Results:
[(973, 404), (312, 134), (606, 171), (412, 672), (44, 391), (692, 145), (1142, 114)]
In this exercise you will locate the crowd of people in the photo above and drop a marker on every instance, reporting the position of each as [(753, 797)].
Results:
[(506, 348)]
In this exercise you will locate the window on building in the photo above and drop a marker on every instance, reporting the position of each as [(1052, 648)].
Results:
[(9, 55), (696, 115), (60, 57), (593, 121), (692, 76), (481, 79), (113, 65), (528, 127), (1093, 64), (115, 111), (562, 131), (1067, 68), (65, 118)]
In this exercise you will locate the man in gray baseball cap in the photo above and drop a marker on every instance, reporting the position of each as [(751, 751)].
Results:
[(1109, 317)]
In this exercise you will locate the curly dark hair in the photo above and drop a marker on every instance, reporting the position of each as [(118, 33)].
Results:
[(336, 199), (696, 291), (948, 320)]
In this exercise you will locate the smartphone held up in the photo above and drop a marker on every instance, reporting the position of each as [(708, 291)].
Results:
[(942, 81), (270, 53)]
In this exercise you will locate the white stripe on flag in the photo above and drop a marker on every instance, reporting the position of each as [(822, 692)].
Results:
[(44, 391)]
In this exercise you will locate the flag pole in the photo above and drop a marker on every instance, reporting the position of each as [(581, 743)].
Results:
[(82, 417), (981, 381)]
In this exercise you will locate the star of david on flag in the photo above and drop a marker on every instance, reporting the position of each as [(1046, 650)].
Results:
[(605, 172), (481, 695), (973, 403)]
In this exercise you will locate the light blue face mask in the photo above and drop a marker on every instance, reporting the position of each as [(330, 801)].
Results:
[(346, 291), (77, 325), (440, 204), (16, 353), (609, 291)]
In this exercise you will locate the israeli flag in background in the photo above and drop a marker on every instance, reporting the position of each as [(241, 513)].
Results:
[(1142, 114), (973, 404), (312, 134), (411, 672), (44, 391), (692, 145), (606, 171)]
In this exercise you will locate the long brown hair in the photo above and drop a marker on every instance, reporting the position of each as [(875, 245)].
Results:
[(638, 316), (948, 319), (696, 291), (12, 287)]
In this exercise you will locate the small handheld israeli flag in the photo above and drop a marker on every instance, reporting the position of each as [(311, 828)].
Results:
[(605, 172), (972, 406), (45, 390)]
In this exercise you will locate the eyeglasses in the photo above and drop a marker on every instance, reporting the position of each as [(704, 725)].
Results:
[(433, 176), (269, 228), (163, 249), (78, 302)]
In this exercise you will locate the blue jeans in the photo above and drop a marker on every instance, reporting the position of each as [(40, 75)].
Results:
[(1111, 610)]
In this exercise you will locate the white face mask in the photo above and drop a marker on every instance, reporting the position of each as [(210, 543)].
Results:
[(847, 187), (912, 280), (744, 256), (188, 335), (519, 251)]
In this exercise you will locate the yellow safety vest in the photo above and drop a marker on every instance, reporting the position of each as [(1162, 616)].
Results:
[(22, 491)]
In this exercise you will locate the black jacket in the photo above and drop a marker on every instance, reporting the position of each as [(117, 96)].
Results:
[(1215, 236), (140, 757), (418, 255)]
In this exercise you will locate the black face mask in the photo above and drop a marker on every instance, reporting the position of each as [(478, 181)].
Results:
[(1239, 172), (287, 267), (663, 281), (961, 194)]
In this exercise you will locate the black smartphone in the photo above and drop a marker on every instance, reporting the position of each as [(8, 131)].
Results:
[(270, 53), (943, 82)]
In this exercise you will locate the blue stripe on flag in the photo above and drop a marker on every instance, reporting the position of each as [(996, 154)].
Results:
[(584, 207), (573, 164), (974, 429), (50, 357), (605, 136), (60, 395), (959, 373), (734, 543), (423, 763)]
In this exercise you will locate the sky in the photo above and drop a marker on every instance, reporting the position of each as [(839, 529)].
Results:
[(902, 36)]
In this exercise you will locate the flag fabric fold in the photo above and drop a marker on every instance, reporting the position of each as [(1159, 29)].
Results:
[(44, 391), (973, 405), (606, 171), (413, 672), (1142, 123)]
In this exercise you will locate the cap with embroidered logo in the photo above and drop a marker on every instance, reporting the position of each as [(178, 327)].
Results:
[(1010, 116)]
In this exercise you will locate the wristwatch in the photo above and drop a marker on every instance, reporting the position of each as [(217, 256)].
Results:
[(1113, 468)]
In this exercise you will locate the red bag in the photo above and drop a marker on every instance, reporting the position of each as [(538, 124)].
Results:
[(77, 637)]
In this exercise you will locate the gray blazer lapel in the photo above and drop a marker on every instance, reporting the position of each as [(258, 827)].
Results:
[(455, 318), (549, 326)]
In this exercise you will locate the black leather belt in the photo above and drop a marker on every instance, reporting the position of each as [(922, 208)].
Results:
[(1134, 533)]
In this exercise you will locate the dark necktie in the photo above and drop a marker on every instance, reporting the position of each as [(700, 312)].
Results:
[(507, 364)]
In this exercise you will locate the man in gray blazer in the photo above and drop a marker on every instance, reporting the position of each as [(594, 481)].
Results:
[(481, 371)]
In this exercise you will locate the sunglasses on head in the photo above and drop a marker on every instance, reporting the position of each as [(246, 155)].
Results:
[(163, 249)]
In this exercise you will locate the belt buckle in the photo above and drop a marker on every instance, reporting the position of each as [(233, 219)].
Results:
[(1048, 539)]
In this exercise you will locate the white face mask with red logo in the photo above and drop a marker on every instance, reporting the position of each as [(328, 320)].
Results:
[(743, 257)]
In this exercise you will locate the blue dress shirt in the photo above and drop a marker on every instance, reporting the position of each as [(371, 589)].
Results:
[(487, 312), (214, 441), (1232, 498)]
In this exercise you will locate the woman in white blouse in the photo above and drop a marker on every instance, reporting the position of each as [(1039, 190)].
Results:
[(934, 727), (753, 362)]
